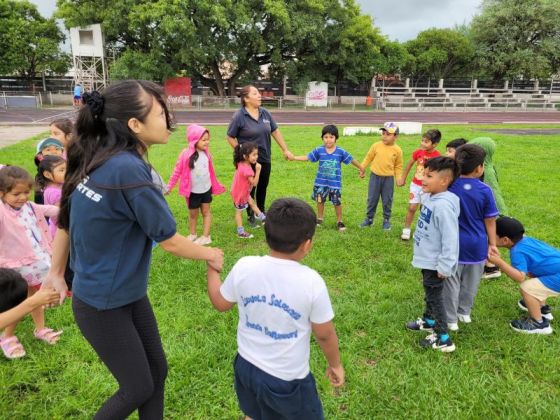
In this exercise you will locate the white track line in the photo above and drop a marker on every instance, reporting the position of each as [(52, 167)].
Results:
[(52, 117)]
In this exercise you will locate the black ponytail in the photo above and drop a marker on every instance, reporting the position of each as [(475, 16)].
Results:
[(193, 159), (242, 150)]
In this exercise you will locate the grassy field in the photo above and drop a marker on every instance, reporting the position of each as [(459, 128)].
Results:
[(494, 372)]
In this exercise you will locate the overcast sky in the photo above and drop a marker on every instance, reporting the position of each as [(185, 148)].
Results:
[(398, 19)]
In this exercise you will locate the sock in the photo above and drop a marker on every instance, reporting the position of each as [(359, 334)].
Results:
[(240, 230)]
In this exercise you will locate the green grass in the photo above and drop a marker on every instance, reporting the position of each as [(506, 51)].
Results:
[(494, 372)]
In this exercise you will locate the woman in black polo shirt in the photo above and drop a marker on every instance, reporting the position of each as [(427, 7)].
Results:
[(255, 124)]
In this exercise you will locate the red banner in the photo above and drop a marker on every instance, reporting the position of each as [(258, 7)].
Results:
[(178, 91)]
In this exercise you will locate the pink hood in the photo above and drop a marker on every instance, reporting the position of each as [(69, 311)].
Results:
[(182, 172)]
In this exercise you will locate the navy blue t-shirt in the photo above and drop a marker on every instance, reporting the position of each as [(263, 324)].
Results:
[(477, 204), (115, 214), (245, 128)]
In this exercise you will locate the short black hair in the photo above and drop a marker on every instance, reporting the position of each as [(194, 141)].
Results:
[(330, 129), (469, 157), (13, 289), (443, 163), (289, 223), (433, 135), (508, 227), (454, 144)]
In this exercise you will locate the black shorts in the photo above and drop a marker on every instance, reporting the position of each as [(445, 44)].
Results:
[(263, 396), (195, 200)]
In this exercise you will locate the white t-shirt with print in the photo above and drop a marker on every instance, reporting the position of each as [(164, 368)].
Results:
[(278, 300), (200, 175)]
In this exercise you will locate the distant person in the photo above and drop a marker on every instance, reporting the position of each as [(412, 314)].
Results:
[(328, 182), (452, 146), (255, 124), (427, 150), (77, 95), (386, 159), (280, 302)]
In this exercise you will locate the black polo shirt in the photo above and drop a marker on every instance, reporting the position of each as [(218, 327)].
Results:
[(244, 128)]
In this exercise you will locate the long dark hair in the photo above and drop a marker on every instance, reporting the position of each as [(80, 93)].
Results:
[(102, 131), (242, 150), (47, 164)]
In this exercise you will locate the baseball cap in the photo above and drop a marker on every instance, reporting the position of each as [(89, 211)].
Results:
[(509, 227), (390, 127), (49, 142)]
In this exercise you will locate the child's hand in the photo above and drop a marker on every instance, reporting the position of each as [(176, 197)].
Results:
[(400, 182), (217, 260), (288, 155), (494, 259), (44, 297), (362, 173), (441, 276), (257, 166), (335, 375), (494, 251)]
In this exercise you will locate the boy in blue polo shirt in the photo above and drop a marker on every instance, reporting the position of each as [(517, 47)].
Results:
[(536, 266), (328, 182)]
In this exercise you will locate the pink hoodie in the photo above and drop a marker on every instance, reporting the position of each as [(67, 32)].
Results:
[(182, 172)]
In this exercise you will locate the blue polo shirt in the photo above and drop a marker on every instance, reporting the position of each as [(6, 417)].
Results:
[(115, 214), (538, 259), (329, 173), (477, 203), (245, 128)]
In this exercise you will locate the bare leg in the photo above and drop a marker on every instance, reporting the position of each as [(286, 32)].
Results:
[(338, 212), (320, 210), (38, 314), (410, 215), (238, 219), (193, 219), (533, 305), (254, 207), (206, 218)]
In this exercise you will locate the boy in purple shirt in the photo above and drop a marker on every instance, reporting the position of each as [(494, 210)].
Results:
[(477, 232)]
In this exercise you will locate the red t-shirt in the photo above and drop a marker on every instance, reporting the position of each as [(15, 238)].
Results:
[(421, 156)]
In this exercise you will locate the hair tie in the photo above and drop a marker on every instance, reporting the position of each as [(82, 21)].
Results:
[(95, 102)]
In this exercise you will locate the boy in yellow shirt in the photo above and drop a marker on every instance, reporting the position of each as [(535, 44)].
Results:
[(386, 159)]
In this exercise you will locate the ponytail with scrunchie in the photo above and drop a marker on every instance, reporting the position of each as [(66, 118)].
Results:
[(95, 102)]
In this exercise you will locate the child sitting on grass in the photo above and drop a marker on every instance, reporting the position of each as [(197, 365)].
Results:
[(436, 248), (280, 302), (536, 266), (427, 150), (328, 182)]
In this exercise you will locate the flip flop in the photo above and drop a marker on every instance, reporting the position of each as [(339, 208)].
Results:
[(12, 348), (48, 335)]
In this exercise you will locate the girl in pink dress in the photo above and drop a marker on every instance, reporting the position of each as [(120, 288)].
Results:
[(50, 178)]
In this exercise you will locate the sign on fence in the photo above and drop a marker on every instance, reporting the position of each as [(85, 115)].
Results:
[(317, 94), (178, 91)]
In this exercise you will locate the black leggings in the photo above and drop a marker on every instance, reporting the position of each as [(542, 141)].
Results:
[(259, 192), (127, 341)]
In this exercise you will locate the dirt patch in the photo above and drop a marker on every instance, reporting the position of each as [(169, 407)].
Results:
[(11, 134), (524, 131)]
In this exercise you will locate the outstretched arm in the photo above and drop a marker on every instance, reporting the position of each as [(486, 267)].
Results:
[(402, 180), (42, 297), (510, 271), (279, 139), (216, 298), (300, 158), (360, 167)]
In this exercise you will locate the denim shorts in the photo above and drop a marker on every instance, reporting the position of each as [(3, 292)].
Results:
[(265, 397), (324, 194)]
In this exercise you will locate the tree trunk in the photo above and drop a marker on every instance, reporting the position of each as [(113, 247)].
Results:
[(220, 89)]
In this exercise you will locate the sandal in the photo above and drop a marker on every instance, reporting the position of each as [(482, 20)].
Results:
[(11, 347), (48, 335)]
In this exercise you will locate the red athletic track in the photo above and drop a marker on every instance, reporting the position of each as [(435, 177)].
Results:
[(303, 117)]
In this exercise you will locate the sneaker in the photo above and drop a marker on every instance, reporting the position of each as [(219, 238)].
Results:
[(341, 226), (435, 342), (491, 273), (452, 326), (244, 235), (386, 224), (530, 326), (420, 324), (203, 240), (465, 319), (405, 235), (191, 238), (261, 217), (366, 223), (319, 222), (546, 312)]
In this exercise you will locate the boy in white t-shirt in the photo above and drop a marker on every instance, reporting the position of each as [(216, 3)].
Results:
[(280, 303)]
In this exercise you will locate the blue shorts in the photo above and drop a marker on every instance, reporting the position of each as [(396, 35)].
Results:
[(262, 396), (324, 194)]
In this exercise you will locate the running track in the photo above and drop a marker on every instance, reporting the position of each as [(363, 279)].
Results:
[(36, 116)]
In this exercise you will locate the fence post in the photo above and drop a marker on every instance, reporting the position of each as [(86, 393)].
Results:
[(50, 98)]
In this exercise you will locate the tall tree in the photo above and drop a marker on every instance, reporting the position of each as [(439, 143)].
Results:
[(518, 38), (29, 43)]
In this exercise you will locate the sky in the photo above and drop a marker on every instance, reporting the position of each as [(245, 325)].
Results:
[(400, 20)]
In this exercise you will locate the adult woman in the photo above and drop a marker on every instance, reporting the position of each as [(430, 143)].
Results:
[(110, 214), (254, 123)]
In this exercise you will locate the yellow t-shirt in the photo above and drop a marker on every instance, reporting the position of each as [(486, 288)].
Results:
[(385, 160)]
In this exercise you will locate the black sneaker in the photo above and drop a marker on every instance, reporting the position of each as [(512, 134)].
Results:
[(491, 272), (546, 312), (530, 326), (366, 223), (420, 325), (341, 226), (435, 342), (319, 222)]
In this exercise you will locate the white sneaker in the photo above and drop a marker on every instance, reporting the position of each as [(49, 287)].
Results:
[(452, 326), (465, 319), (405, 235), (191, 238), (203, 240)]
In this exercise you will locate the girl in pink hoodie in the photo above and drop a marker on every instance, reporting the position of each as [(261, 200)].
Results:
[(197, 181)]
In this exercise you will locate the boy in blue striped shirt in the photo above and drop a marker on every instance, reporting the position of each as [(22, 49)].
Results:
[(328, 182)]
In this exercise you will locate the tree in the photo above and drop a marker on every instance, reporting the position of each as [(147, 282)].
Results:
[(219, 42), (518, 38), (439, 54), (29, 43)]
